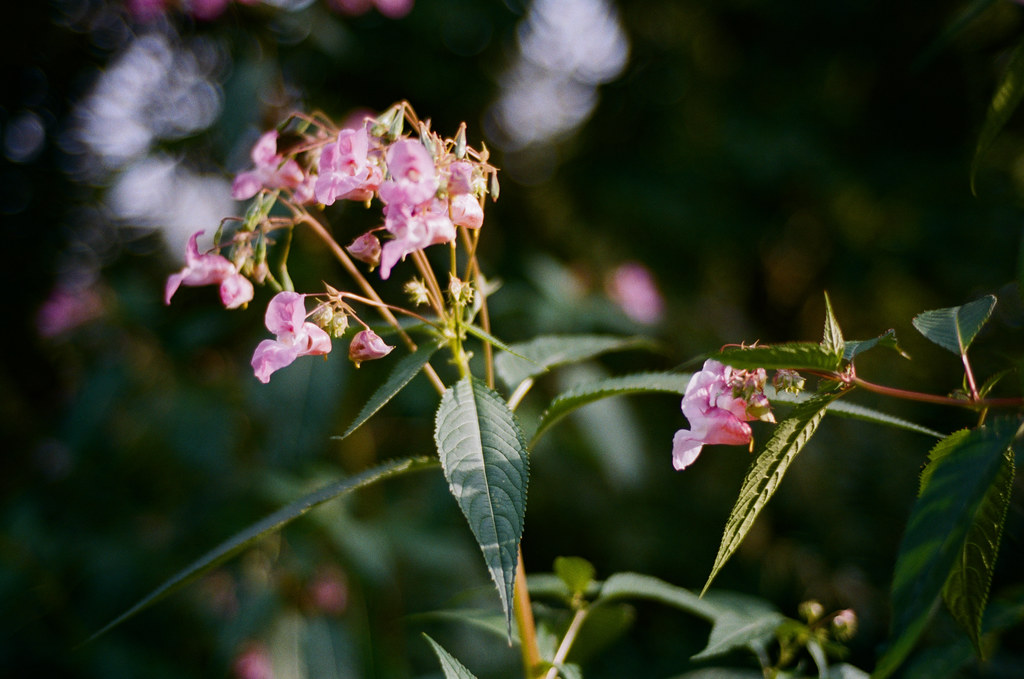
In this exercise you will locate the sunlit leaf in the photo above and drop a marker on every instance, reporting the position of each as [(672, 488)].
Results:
[(967, 589), (576, 573), (267, 526), (886, 339), (451, 667), (832, 338), (740, 622), (542, 353), (581, 395), (792, 355), (485, 461), (632, 586), (767, 471), (954, 328), (1004, 102), (963, 468), (403, 372)]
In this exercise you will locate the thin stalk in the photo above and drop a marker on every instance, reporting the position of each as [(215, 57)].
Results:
[(567, 641), (523, 611), (436, 296), (905, 394), (971, 384), (357, 275)]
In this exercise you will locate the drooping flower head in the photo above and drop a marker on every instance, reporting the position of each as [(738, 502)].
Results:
[(718, 403), (414, 228), (367, 346), (210, 269), (272, 171), (413, 177), (295, 336)]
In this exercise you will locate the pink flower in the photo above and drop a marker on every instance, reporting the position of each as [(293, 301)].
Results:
[(366, 249), (466, 211), (367, 346), (207, 10), (286, 318), (208, 269), (632, 287), (254, 662), (67, 308), (272, 170), (345, 171), (460, 177), (393, 9), (414, 229), (413, 177), (719, 401)]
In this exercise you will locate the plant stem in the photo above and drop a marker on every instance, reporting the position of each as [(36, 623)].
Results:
[(971, 384), (570, 636), (523, 610), (973, 403)]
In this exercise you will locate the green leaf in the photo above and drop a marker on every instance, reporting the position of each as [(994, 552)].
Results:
[(832, 339), (853, 411), (886, 339), (270, 524), (1004, 102), (539, 354), (766, 473), (452, 668), (576, 573), (489, 620), (954, 328), (637, 586), (792, 355), (485, 336), (972, 12), (485, 461), (963, 468), (581, 395), (741, 622), (401, 375), (967, 589)]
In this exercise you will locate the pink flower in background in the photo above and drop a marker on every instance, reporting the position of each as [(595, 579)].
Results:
[(210, 269), (413, 176), (367, 346), (345, 170), (146, 10), (392, 9), (632, 287), (414, 229), (66, 309), (718, 403), (253, 662), (272, 171), (207, 10), (328, 591), (286, 318)]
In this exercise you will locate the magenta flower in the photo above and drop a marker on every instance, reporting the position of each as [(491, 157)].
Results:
[(719, 401), (286, 318), (367, 346), (414, 229), (632, 287), (209, 269), (272, 171), (413, 178), (345, 170)]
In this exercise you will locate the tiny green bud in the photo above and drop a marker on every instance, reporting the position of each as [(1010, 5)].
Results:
[(417, 292), (788, 380), (460, 292), (495, 188), (460, 142), (339, 324), (322, 316), (811, 611)]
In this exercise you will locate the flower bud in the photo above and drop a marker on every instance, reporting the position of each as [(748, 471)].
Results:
[(322, 316), (366, 249), (811, 611), (367, 346), (844, 624), (461, 293), (788, 380), (417, 291), (339, 324), (460, 142), (495, 188)]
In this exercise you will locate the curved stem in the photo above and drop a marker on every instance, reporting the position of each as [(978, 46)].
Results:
[(570, 636), (523, 611), (972, 404)]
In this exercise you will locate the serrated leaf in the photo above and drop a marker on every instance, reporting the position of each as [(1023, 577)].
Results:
[(581, 395), (967, 589), (955, 484), (403, 372), (485, 336), (767, 471), (489, 620), (451, 667), (853, 411), (576, 573), (792, 355), (1004, 102), (485, 461), (954, 328), (542, 353), (741, 622), (638, 586), (886, 339), (832, 339), (267, 526)]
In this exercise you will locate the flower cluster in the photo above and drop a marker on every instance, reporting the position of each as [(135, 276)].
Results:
[(428, 187), (719, 401)]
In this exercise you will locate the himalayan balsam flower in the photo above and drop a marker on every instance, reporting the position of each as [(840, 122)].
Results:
[(208, 269), (719, 401), (414, 228), (272, 171), (367, 346), (632, 287), (286, 318), (365, 248), (345, 169)]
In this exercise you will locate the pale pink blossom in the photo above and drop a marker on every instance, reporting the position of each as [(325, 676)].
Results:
[(393, 9), (286, 318), (414, 229), (345, 169), (67, 308), (460, 177), (718, 403), (367, 346), (466, 211), (210, 269), (632, 287), (272, 171), (366, 249), (254, 662), (413, 177)]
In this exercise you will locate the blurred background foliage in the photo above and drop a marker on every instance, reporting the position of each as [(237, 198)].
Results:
[(751, 154)]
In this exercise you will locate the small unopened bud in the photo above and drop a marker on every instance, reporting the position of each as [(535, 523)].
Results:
[(339, 324), (366, 249), (788, 380), (461, 293), (759, 408), (811, 611), (322, 316), (367, 346), (495, 188), (844, 624), (417, 292), (460, 142)]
